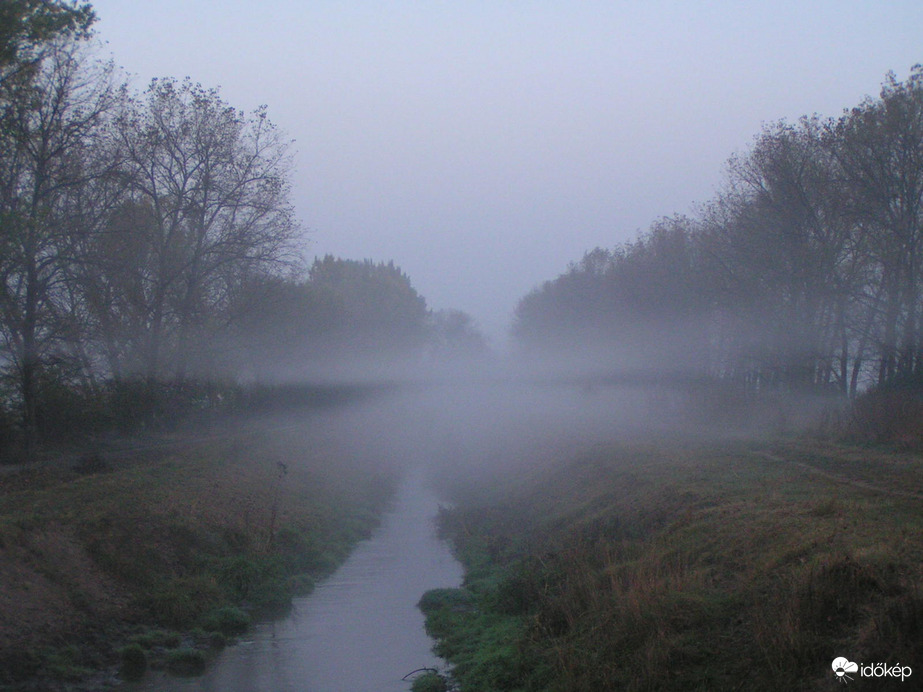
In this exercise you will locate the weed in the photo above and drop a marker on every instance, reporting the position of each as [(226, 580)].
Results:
[(154, 638), (185, 662), (134, 661), (92, 463), (182, 601), (825, 508), (452, 599), (64, 663), (229, 621), (298, 549)]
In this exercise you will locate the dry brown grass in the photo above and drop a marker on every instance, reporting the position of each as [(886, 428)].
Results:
[(710, 567)]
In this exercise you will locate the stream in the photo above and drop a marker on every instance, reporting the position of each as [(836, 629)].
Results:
[(359, 630)]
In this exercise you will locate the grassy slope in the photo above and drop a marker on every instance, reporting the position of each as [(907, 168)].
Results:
[(653, 567), (93, 560)]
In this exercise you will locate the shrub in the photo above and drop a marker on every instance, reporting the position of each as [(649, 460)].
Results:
[(890, 415), (182, 601), (134, 661), (455, 599), (299, 551), (186, 662), (156, 638), (229, 621), (252, 577), (65, 663)]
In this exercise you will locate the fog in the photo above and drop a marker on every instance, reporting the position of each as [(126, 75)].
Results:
[(360, 628), (465, 425), (485, 146), (413, 250)]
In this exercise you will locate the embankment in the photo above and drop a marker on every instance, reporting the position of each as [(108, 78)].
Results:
[(699, 566), (153, 558)]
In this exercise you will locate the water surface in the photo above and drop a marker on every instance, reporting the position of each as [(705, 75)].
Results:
[(359, 630)]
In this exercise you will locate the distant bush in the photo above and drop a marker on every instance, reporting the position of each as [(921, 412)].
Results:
[(891, 414), (10, 443), (68, 411), (134, 404)]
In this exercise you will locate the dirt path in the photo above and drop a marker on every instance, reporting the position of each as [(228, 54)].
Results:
[(838, 478)]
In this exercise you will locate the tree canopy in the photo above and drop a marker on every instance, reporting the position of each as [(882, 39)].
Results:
[(804, 272)]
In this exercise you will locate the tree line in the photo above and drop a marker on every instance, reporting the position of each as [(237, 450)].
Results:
[(803, 273), (150, 237), (344, 319)]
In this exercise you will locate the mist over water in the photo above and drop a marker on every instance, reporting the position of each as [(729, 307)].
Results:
[(360, 629)]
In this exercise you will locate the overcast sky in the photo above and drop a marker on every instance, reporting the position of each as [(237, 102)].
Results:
[(485, 145)]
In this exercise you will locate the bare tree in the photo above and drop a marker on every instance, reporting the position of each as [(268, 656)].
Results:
[(213, 186), (879, 146), (49, 126), (791, 255)]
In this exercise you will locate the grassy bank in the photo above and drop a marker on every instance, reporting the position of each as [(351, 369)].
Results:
[(155, 558), (694, 567)]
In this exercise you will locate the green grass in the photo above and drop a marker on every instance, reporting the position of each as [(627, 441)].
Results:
[(658, 567), (186, 662), (205, 538)]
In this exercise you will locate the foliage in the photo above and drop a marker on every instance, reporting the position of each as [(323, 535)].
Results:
[(378, 309), (455, 338), (345, 313), (186, 662), (208, 208), (889, 415), (26, 29), (51, 132), (800, 276), (429, 682), (228, 620), (615, 306), (156, 638)]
